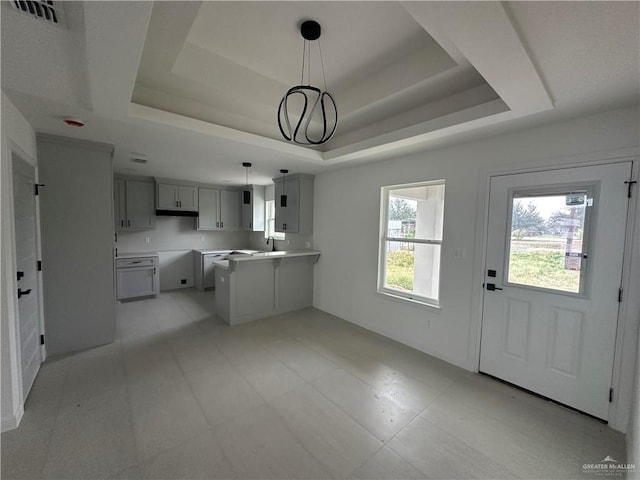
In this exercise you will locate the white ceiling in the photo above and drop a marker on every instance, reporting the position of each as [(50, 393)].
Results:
[(195, 85)]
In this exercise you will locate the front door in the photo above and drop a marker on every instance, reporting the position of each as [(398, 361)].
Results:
[(24, 204), (554, 265)]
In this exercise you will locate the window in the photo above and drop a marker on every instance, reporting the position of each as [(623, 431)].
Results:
[(411, 241), (270, 221), (549, 239)]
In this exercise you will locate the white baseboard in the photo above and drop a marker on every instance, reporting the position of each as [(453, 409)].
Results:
[(13, 421)]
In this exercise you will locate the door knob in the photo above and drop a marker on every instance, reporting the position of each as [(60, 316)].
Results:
[(23, 292)]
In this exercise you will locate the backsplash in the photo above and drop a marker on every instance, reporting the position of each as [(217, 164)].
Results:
[(293, 242), (179, 233)]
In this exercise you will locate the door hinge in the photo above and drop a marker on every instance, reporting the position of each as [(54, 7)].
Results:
[(37, 188), (630, 184), (610, 395), (620, 293), (39, 265), (41, 339)]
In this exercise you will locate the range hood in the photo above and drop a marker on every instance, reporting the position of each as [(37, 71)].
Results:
[(176, 213)]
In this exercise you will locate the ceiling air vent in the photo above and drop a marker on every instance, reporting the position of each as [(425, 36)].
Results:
[(43, 9)]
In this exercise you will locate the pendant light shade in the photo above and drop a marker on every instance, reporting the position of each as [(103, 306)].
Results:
[(283, 197), (246, 193), (308, 115)]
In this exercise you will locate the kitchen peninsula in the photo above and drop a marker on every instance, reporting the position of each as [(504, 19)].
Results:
[(249, 287)]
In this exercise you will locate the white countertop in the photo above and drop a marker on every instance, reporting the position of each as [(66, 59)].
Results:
[(137, 254), (225, 251), (264, 256), (276, 254)]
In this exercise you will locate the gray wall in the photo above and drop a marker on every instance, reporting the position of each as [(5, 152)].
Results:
[(77, 243)]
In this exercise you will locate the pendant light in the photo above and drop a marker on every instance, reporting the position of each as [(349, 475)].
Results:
[(246, 193), (283, 197), (317, 104)]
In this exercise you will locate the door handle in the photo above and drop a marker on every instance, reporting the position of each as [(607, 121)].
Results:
[(23, 292), (492, 286)]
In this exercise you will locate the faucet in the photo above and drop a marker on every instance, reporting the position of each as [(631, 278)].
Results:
[(273, 243)]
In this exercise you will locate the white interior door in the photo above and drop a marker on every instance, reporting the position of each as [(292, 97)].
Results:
[(24, 202), (554, 264)]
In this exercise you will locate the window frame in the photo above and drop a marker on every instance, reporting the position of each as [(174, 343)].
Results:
[(592, 191), (384, 239), (267, 230)]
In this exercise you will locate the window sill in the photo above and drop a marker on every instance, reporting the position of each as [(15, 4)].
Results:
[(418, 302)]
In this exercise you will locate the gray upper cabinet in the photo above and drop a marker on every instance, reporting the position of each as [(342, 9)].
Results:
[(177, 197), (295, 214), (230, 212), (209, 209), (219, 209), (253, 208), (133, 204)]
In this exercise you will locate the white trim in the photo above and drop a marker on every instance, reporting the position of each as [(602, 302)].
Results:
[(625, 355), (624, 358), (13, 421)]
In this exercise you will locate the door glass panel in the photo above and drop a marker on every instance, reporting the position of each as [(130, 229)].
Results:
[(547, 247)]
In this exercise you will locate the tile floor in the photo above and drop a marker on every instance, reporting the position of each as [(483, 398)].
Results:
[(301, 395)]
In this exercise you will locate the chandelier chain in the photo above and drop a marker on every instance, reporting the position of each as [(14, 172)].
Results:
[(304, 49), (324, 80)]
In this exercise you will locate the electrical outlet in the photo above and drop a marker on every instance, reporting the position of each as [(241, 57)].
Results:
[(308, 244), (202, 238), (147, 240)]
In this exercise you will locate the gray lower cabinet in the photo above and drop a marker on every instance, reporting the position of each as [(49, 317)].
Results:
[(203, 268), (254, 289), (137, 277)]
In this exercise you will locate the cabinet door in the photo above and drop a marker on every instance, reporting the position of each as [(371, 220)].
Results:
[(230, 211), (253, 212), (188, 198), (167, 197), (287, 217), (119, 204), (136, 282), (208, 200), (140, 213)]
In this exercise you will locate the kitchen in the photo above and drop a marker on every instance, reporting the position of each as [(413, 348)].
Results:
[(168, 234)]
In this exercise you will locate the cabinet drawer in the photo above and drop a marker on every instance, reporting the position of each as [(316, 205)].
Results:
[(136, 262)]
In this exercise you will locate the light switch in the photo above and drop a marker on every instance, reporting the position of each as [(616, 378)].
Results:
[(459, 253), (147, 240)]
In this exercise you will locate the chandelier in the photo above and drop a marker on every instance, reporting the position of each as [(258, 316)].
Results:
[(308, 115)]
